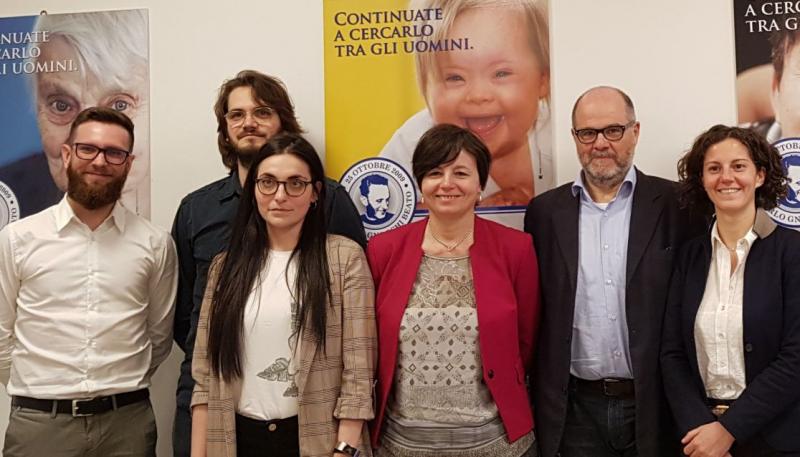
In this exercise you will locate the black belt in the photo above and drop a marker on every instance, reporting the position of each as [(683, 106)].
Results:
[(718, 407), (82, 407), (610, 387)]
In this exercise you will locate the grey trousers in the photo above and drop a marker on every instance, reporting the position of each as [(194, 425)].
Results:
[(129, 431)]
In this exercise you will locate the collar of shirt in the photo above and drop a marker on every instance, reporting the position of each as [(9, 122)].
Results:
[(231, 187), (64, 214), (625, 190), (742, 245)]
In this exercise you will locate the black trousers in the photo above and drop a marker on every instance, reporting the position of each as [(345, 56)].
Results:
[(278, 438)]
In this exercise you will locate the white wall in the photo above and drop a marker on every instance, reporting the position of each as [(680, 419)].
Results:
[(675, 58)]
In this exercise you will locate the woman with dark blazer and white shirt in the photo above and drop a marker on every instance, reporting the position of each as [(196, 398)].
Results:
[(731, 341)]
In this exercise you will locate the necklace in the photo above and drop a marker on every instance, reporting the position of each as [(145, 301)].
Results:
[(450, 247)]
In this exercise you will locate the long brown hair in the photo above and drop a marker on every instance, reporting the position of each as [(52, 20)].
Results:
[(247, 255)]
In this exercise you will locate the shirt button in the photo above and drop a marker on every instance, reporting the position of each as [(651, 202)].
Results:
[(272, 427), (605, 246), (748, 347), (491, 374), (617, 354), (613, 317), (608, 281)]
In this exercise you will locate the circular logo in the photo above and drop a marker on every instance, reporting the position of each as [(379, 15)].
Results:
[(787, 213), (383, 193), (9, 205)]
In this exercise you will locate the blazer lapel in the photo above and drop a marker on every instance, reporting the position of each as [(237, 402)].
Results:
[(645, 211), (565, 225)]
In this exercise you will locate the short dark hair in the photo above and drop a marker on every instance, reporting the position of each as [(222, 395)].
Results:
[(625, 98), (782, 42), (266, 89), (372, 180), (441, 145), (105, 116), (764, 156)]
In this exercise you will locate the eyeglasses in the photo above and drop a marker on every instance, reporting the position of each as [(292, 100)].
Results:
[(613, 132), (113, 156), (293, 187), (260, 114)]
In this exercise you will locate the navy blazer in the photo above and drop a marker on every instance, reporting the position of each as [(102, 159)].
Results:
[(658, 227), (770, 404)]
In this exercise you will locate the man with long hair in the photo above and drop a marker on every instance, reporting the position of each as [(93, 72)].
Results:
[(251, 108)]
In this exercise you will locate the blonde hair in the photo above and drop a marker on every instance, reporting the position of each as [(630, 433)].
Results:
[(534, 11)]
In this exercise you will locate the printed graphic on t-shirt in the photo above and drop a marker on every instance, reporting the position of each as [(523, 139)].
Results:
[(279, 371)]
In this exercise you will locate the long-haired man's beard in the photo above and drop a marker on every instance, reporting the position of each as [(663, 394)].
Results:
[(93, 197), (245, 157)]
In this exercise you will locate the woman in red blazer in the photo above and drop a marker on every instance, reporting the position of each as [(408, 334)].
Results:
[(457, 308)]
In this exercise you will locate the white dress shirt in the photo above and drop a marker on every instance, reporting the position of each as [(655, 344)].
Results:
[(718, 326), (84, 313)]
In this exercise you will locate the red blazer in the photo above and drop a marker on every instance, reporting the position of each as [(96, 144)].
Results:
[(506, 279)]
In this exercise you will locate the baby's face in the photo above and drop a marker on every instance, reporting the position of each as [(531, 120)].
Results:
[(494, 88)]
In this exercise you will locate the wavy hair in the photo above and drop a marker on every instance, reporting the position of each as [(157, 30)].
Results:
[(763, 154)]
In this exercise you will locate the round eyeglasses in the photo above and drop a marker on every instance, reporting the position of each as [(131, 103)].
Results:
[(613, 132), (113, 156), (260, 114), (294, 187)]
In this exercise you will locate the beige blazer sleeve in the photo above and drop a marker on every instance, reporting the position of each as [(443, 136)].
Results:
[(201, 370), (359, 334)]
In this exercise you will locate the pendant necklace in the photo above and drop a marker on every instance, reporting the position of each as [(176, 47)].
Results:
[(450, 247)]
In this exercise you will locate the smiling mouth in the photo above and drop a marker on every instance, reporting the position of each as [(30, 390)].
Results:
[(482, 125), (448, 197), (728, 191)]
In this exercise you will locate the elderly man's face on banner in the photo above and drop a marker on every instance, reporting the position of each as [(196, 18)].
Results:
[(61, 96)]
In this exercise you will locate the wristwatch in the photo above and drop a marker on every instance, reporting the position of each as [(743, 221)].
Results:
[(345, 448)]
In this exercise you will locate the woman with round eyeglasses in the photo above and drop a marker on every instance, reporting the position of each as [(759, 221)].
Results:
[(286, 341), (731, 341), (457, 310)]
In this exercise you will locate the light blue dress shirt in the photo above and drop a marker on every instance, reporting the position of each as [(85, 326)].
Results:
[(600, 329)]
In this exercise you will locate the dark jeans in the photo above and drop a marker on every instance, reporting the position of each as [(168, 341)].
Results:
[(598, 425), (256, 438)]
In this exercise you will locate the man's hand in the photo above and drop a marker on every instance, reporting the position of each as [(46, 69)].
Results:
[(709, 440)]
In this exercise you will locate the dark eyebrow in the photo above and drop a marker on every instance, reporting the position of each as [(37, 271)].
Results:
[(269, 175)]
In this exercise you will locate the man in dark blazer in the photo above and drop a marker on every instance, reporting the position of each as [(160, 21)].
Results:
[(605, 245)]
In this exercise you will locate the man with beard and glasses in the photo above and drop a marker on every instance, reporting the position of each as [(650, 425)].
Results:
[(86, 307), (250, 109), (605, 244)]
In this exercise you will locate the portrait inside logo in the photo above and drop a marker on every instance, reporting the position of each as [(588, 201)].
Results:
[(791, 166), (378, 198)]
